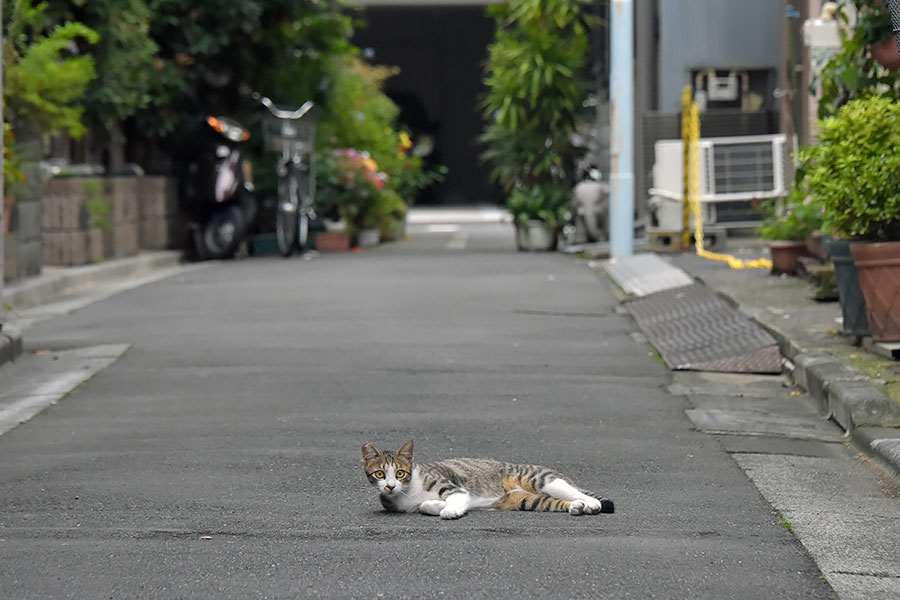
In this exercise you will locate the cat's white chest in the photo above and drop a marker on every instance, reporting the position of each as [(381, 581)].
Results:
[(409, 499)]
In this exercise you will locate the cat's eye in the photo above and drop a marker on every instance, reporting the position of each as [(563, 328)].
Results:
[(401, 474), (378, 474)]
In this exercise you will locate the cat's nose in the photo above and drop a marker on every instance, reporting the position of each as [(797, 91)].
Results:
[(389, 487)]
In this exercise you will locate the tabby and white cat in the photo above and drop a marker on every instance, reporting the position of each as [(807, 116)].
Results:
[(450, 488)]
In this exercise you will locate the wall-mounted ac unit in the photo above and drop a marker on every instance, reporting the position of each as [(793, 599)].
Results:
[(734, 171)]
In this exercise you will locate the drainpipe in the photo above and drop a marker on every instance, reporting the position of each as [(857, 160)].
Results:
[(621, 130)]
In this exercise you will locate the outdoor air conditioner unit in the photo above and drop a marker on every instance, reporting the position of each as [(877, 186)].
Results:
[(734, 172)]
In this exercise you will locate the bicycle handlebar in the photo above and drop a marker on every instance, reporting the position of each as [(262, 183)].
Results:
[(287, 114)]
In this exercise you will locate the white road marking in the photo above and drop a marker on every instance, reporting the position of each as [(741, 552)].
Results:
[(458, 241)]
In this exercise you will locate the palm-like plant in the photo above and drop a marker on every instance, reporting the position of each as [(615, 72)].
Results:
[(535, 90)]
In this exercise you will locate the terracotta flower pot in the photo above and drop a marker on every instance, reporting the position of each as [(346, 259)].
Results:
[(786, 255), (879, 278), (332, 241)]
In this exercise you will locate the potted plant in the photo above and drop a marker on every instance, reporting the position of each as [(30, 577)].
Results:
[(535, 92), (788, 225), (854, 173), (539, 213), (349, 191)]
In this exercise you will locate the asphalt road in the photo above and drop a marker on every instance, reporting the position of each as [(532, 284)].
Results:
[(219, 457)]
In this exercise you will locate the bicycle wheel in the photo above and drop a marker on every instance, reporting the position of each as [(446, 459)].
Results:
[(304, 212), (286, 218)]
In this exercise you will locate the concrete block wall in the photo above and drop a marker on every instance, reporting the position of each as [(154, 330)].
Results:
[(159, 224), (87, 220), (22, 240)]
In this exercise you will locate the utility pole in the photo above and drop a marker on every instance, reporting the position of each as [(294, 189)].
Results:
[(621, 143), (3, 224)]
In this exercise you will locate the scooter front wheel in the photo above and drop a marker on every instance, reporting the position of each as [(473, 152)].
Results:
[(222, 233)]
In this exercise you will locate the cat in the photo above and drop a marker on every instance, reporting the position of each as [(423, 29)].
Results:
[(451, 488)]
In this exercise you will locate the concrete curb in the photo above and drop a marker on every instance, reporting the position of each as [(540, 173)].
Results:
[(50, 285), (842, 392), (882, 444), (867, 414)]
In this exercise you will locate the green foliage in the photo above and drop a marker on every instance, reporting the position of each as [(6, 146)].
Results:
[(44, 81), (547, 202), (533, 75), (12, 162), (123, 56), (794, 218), (358, 114), (852, 72), (854, 170), (213, 53), (99, 205), (359, 127)]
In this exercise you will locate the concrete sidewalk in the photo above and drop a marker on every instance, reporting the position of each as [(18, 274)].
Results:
[(56, 284), (857, 389)]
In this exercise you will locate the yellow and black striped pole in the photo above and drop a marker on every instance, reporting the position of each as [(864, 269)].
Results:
[(690, 136)]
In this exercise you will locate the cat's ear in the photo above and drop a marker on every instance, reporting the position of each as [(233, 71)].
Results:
[(369, 452), (405, 451)]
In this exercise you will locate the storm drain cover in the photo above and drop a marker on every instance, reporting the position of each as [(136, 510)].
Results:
[(694, 329)]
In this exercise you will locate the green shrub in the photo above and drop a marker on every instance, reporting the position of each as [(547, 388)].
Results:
[(852, 72), (44, 81), (547, 202), (854, 170)]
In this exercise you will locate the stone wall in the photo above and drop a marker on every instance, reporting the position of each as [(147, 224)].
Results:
[(22, 239), (87, 220), (71, 221)]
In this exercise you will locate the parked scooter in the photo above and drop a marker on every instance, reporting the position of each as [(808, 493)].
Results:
[(220, 197), (590, 196)]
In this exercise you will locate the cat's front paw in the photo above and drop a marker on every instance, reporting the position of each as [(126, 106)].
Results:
[(452, 512), (432, 507), (586, 506)]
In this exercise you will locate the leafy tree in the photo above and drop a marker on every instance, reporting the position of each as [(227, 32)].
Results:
[(213, 53), (123, 56), (44, 81), (852, 72)]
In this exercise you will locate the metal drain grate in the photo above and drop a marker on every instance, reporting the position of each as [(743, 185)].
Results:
[(695, 330)]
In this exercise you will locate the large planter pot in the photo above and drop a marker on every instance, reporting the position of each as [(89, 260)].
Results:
[(879, 277), (368, 238), (786, 256), (332, 241), (536, 236), (850, 296)]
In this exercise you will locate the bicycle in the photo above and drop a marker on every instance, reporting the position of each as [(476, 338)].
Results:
[(287, 131)]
